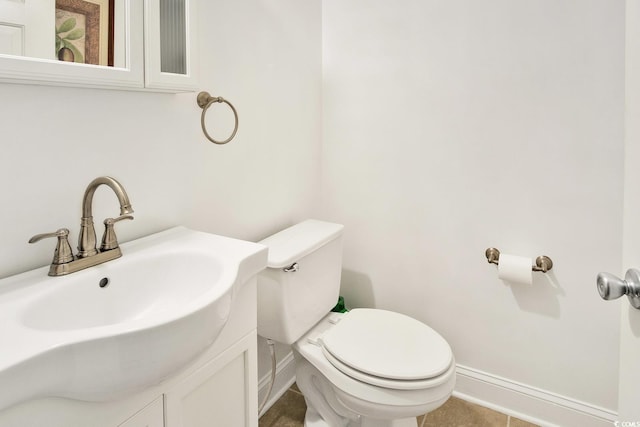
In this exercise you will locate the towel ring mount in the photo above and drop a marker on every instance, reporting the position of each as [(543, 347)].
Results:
[(205, 100)]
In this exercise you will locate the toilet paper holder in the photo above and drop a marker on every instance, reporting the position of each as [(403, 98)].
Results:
[(543, 262)]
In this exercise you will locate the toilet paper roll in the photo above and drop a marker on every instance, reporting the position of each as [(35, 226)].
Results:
[(515, 269)]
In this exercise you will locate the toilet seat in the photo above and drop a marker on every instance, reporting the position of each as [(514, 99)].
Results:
[(386, 349), (391, 399)]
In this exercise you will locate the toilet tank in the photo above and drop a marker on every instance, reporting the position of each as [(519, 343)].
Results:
[(291, 302)]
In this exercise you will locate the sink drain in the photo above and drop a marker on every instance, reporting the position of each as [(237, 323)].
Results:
[(104, 282)]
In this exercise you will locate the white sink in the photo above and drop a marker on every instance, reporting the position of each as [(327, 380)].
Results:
[(139, 288), (165, 301)]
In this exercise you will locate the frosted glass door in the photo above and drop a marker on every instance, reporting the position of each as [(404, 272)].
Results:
[(173, 36), (170, 45)]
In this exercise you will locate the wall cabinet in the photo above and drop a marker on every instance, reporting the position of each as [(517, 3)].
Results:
[(170, 45), (153, 45)]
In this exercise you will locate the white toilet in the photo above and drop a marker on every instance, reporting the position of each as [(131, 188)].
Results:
[(366, 367)]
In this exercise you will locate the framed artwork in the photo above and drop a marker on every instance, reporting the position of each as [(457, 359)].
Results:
[(84, 31)]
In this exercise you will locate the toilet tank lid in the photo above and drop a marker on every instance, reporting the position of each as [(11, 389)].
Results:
[(293, 243)]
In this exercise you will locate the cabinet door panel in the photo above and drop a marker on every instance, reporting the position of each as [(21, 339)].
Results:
[(170, 45), (221, 393), (37, 67), (151, 415)]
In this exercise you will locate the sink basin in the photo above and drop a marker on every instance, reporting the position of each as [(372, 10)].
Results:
[(139, 288), (116, 328)]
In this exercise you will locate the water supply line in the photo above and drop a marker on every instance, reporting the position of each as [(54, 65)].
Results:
[(272, 350)]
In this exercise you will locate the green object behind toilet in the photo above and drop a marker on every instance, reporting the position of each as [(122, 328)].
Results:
[(340, 307)]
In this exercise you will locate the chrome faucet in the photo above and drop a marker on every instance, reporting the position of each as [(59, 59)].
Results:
[(88, 255)]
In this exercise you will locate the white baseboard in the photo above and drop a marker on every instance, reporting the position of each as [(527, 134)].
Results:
[(285, 377), (519, 400), (528, 403)]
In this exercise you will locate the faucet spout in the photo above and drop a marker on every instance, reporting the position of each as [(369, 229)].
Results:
[(87, 236), (118, 189)]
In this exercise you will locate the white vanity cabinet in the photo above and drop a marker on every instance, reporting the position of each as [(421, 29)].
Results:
[(151, 415), (218, 388), (152, 43), (222, 392)]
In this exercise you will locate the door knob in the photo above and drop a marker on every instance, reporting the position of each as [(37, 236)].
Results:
[(612, 287)]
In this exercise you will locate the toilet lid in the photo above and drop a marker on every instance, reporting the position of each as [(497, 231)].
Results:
[(386, 345)]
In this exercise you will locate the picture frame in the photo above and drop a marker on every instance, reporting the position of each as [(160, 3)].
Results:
[(84, 31)]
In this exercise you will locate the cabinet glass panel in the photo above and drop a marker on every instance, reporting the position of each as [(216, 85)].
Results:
[(173, 36)]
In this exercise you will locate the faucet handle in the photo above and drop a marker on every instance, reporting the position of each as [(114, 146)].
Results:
[(109, 239), (63, 253)]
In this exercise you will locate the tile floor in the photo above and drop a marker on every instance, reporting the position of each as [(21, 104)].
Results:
[(289, 411)]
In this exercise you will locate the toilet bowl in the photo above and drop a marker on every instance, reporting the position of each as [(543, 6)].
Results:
[(411, 373), (364, 368)]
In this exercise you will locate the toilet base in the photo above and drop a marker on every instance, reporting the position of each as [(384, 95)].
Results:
[(313, 419), (325, 408)]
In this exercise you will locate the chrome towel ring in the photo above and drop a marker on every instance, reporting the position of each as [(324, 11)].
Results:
[(204, 101)]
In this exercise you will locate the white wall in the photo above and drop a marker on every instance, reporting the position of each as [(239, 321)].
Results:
[(450, 127), (263, 55)]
